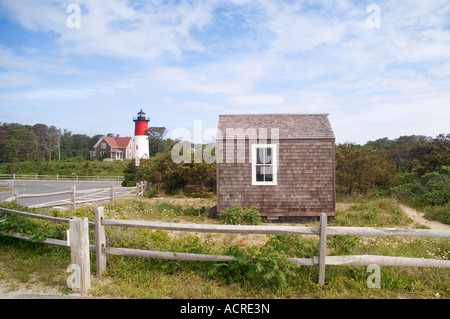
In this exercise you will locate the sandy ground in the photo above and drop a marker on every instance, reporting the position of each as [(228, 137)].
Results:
[(417, 217), (9, 290)]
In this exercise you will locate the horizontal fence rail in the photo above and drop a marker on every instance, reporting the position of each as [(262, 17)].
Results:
[(38, 216), (72, 201), (211, 228), (57, 177), (322, 231), (279, 230), (8, 184)]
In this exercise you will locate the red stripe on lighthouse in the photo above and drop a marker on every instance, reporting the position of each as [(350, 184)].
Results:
[(140, 127)]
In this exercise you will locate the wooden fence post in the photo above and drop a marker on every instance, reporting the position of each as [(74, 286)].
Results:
[(79, 253), (322, 248), (100, 241), (137, 190), (16, 196), (74, 189)]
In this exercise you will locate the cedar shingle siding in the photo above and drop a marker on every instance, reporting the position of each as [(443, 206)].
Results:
[(305, 184)]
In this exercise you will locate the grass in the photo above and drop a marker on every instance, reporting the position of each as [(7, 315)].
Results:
[(66, 167), (259, 269)]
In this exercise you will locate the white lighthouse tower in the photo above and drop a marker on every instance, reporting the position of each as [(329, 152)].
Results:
[(141, 148)]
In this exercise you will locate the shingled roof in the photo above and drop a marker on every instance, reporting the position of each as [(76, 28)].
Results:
[(115, 142), (290, 126), (121, 142)]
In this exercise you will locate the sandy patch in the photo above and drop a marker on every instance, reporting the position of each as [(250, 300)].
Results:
[(418, 217)]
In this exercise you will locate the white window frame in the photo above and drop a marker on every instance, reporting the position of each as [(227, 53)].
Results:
[(274, 148)]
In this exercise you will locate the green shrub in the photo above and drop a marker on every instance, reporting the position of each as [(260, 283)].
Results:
[(251, 215), (234, 215), (36, 228), (438, 213), (231, 215)]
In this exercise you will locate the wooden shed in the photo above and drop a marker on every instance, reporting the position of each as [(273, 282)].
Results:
[(282, 162)]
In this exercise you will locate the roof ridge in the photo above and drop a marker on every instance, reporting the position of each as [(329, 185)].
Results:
[(277, 114), (295, 126)]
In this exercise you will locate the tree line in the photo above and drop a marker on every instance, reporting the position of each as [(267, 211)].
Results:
[(42, 142), (385, 163), (20, 142)]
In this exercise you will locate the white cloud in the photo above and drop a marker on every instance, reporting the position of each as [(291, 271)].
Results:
[(244, 56), (257, 99), (38, 16), (12, 79), (227, 77), (115, 29)]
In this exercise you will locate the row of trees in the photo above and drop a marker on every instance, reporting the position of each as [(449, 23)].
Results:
[(47, 143), (386, 163), (41, 142)]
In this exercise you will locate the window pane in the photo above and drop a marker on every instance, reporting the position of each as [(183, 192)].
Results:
[(268, 173), (259, 174), (268, 157), (264, 155), (260, 156), (264, 165)]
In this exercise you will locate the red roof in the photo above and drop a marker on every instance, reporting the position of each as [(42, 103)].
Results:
[(121, 142)]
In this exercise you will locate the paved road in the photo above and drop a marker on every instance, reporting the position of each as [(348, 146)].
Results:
[(62, 201)]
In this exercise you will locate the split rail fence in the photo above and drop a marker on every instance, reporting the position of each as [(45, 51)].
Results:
[(139, 191), (8, 184), (57, 177), (80, 247)]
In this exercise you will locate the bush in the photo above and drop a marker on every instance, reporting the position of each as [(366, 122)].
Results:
[(190, 179), (431, 193), (251, 215), (438, 213), (234, 215), (231, 215)]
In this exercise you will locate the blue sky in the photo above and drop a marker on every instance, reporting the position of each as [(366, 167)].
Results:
[(182, 61)]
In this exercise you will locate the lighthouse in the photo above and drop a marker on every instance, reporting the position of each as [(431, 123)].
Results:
[(141, 148)]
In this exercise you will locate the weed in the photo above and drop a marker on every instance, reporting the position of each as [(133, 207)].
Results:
[(165, 208)]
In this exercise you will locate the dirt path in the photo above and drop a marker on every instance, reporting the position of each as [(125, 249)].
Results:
[(417, 217)]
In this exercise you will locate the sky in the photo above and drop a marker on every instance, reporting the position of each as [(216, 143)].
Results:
[(378, 68)]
